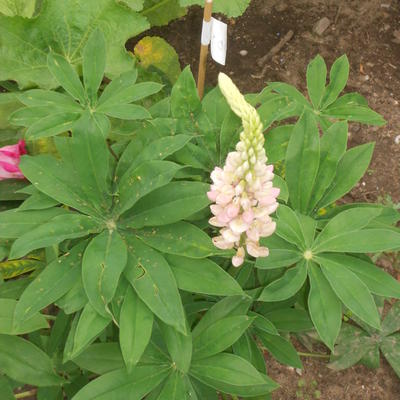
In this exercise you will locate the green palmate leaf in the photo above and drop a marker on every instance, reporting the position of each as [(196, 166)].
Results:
[(308, 227), (391, 322), (6, 388), (169, 204), (155, 53), (7, 322), (49, 99), (38, 201), (94, 64), (179, 347), (68, 226), (136, 324), (264, 324), (103, 263), (100, 358), (89, 326), (25, 43), (231, 8), (120, 384), (75, 299), (354, 113), (316, 79), (181, 238), (333, 147), (23, 8), (247, 348), (290, 320), (280, 183), (337, 81), (350, 169), (51, 284), (377, 280), (232, 374), (277, 108), (214, 280), (154, 282), (346, 222), (302, 161), (324, 307), (287, 286), (276, 142), (220, 335), (24, 362), (281, 253), (14, 223), (137, 182), (280, 348), (390, 348), (290, 91), (351, 291), (66, 76)]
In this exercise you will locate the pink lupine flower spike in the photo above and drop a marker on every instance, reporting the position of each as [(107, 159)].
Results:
[(9, 161)]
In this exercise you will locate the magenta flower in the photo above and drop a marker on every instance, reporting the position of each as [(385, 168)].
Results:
[(242, 191), (9, 161)]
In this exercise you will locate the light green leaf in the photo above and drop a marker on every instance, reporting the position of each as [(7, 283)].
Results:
[(138, 182), (181, 238), (391, 323), (65, 27), (354, 113), (232, 374), (350, 169), (276, 142), (51, 284), (49, 99), (169, 204), (160, 13), (337, 81), (24, 362), (154, 282), (38, 201), (90, 325), (290, 91), (66, 76), (333, 146), (351, 291), (121, 385), (175, 388), (8, 324), (280, 348), (103, 263), (289, 227), (94, 64), (15, 223), (287, 286), (390, 348), (6, 389), (179, 347), (246, 347), (302, 161), (377, 280), (214, 280), (125, 111), (220, 335), (346, 222), (290, 320), (22, 8), (316, 79), (58, 229), (324, 307), (136, 324), (231, 8)]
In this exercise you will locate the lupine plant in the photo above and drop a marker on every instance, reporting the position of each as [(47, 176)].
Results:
[(131, 297)]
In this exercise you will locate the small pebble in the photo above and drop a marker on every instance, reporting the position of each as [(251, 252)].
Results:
[(363, 184), (397, 139), (243, 53), (299, 371)]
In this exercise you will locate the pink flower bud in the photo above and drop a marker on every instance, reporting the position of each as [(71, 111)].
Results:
[(9, 161)]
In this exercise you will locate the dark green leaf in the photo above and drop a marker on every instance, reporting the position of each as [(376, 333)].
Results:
[(290, 320), (390, 348), (276, 142), (316, 79)]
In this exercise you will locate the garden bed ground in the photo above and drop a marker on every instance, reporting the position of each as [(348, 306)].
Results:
[(368, 32)]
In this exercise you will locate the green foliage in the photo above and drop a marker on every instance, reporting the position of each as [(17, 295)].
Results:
[(146, 302)]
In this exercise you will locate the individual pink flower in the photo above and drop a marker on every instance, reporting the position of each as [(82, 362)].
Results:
[(9, 161), (242, 190)]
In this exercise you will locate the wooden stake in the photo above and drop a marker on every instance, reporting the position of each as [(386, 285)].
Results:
[(201, 76)]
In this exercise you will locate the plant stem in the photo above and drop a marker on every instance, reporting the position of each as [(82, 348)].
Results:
[(317, 355), (24, 395), (52, 317)]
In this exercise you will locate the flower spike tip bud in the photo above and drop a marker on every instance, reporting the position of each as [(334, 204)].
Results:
[(242, 190)]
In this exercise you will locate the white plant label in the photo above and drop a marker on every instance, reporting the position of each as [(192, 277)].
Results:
[(219, 40)]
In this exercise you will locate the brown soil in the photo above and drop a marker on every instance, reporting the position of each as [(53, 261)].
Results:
[(366, 31)]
